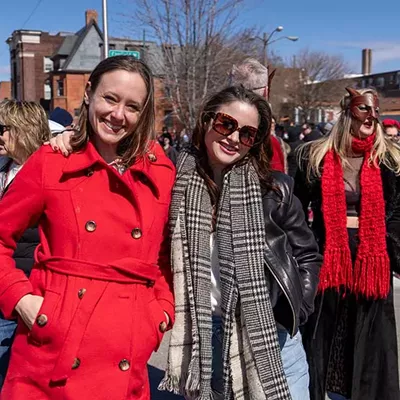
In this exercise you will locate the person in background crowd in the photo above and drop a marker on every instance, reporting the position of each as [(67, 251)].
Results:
[(294, 142), (254, 76), (227, 202), (392, 128), (23, 129), (310, 132), (59, 120), (284, 149), (184, 138), (169, 149), (62, 117), (328, 128), (351, 179), (99, 296)]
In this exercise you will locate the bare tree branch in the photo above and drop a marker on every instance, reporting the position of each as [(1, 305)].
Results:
[(199, 45)]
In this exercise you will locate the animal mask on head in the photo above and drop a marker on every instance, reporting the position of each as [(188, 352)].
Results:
[(363, 106)]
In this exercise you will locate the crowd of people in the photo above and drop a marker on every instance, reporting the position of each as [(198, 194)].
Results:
[(112, 235)]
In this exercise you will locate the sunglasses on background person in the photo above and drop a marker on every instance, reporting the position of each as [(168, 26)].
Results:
[(3, 128), (225, 125)]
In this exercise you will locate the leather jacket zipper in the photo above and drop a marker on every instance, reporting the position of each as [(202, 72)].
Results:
[(287, 296)]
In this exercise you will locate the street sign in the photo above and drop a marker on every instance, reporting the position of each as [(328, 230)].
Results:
[(132, 53)]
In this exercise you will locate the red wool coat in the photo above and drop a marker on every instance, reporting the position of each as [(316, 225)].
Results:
[(102, 268)]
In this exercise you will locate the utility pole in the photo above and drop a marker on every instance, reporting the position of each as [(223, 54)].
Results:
[(105, 29), (265, 44)]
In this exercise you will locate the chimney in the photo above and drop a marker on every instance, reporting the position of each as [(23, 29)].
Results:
[(366, 61), (90, 15)]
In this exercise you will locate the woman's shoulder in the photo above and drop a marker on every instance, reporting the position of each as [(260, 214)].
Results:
[(43, 158)]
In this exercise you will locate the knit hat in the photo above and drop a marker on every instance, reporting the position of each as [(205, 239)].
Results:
[(391, 122), (61, 116)]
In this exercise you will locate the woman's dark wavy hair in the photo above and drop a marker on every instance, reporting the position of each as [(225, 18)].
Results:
[(136, 144), (259, 155)]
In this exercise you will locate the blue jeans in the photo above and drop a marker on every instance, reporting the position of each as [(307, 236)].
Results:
[(294, 364), (293, 357), (7, 330), (217, 381), (336, 396)]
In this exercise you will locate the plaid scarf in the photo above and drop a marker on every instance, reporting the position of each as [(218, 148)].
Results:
[(252, 365), (371, 274)]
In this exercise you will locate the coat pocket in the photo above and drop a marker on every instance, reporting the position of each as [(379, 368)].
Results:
[(41, 332), (158, 319)]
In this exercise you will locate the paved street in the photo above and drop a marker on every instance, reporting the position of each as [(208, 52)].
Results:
[(158, 361)]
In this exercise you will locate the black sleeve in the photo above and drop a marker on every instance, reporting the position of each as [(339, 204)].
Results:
[(302, 190), (305, 252), (393, 232)]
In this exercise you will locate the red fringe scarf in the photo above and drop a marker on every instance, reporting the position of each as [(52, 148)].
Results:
[(370, 275)]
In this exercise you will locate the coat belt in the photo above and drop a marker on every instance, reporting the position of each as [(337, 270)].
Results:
[(127, 270)]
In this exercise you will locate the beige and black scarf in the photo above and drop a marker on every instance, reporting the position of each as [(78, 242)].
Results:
[(252, 362)]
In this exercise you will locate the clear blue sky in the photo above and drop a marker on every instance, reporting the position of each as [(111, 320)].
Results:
[(341, 27)]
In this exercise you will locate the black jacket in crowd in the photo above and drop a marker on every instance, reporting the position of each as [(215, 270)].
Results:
[(24, 252), (291, 256), (314, 135)]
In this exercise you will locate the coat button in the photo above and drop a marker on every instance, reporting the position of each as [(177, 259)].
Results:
[(90, 226), (41, 319), (81, 292), (89, 172), (136, 233), (76, 363), (124, 365), (152, 157), (163, 327)]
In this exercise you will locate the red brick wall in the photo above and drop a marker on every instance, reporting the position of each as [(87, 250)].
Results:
[(5, 90), (74, 87), (33, 74), (162, 105)]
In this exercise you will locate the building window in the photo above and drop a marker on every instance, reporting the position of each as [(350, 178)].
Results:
[(47, 91), (363, 84), (60, 87), (370, 81), (398, 78), (380, 81), (48, 64)]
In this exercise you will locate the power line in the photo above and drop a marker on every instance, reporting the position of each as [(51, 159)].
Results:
[(31, 14)]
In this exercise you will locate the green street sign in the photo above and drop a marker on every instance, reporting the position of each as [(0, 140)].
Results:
[(113, 53)]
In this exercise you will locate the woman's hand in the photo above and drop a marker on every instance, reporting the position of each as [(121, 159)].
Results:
[(28, 308), (61, 142)]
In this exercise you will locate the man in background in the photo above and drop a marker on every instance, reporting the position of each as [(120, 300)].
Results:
[(254, 76)]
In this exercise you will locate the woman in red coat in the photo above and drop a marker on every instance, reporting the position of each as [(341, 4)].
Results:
[(99, 297)]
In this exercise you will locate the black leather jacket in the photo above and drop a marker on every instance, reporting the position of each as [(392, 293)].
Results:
[(291, 257)]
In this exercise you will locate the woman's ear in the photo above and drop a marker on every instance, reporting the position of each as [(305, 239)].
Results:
[(87, 94)]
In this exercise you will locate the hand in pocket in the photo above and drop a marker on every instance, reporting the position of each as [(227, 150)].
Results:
[(28, 308)]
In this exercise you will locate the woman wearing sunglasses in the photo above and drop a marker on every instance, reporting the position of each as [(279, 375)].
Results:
[(23, 129), (239, 234)]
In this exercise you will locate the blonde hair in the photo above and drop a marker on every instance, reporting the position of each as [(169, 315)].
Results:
[(340, 139), (29, 127)]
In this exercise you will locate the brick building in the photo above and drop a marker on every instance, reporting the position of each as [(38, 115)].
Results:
[(5, 90), (62, 63), (30, 53)]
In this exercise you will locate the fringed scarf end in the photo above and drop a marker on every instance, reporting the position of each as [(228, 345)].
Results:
[(372, 276), (337, 270)]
